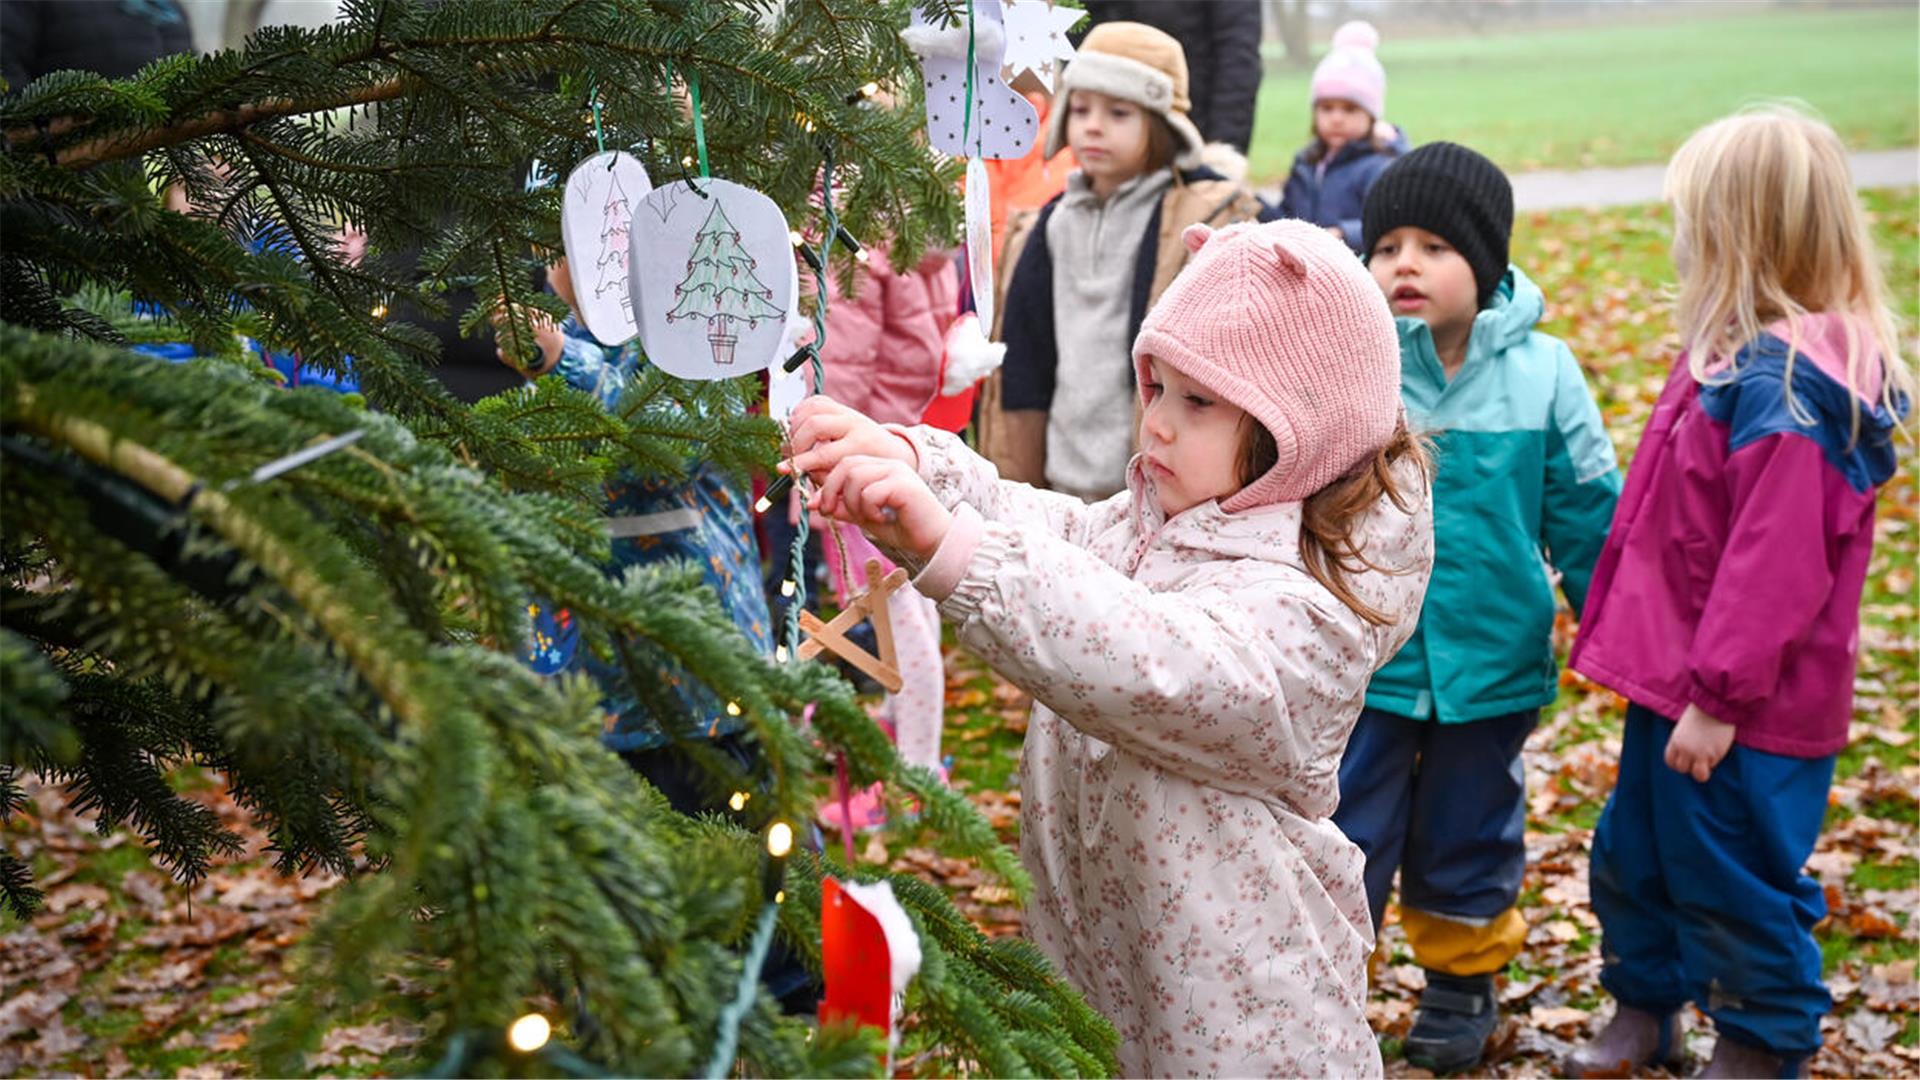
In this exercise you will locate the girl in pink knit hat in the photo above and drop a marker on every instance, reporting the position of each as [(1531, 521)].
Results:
[(1352, 143), (1198, 648)]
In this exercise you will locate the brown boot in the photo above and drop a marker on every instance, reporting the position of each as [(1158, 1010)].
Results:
[(1632, 1039), (1732, 1058)]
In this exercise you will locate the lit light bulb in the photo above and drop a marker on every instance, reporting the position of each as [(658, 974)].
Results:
[(794, 237), (780, 653), (739, 801), (765, 504), (870, 89), (779, 839), (733, 708), (787, 587), (529, 1033), (780, 897)]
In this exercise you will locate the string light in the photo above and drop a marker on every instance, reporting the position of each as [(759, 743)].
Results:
[(733, 708), (786, 587), (794, 237), (779, 844), (739, 801), (776, 491), (529, 1033), (780, 653)]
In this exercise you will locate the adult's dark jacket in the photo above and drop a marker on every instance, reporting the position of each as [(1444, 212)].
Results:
[(112, 37), (1222, 42)]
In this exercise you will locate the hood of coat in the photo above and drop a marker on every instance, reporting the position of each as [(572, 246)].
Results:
[(1517, 307)]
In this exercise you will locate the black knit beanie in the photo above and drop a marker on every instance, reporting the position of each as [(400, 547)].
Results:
[(1454, 193)]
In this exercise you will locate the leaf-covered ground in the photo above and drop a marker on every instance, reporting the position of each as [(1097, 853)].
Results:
[(127, 973)]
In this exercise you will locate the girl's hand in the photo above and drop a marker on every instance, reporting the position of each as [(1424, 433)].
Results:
[(886, 499), (824, 433), (1698, 744)]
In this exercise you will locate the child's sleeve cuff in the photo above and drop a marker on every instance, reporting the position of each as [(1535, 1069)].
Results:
[(937, 580)]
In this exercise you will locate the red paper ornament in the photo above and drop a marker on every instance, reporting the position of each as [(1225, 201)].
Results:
[(855, 961)]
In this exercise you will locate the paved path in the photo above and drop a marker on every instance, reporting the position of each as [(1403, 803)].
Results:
[(1551, 189)]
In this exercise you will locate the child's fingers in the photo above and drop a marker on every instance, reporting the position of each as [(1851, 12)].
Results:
[(809, 431)]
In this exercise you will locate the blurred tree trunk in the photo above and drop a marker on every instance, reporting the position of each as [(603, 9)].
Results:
[(242, 18), (1289, 18)]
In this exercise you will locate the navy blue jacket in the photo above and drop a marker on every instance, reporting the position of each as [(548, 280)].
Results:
[(1336, 198)]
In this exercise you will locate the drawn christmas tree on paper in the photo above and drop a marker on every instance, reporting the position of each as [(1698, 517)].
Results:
[(720, 286), (616, 219)]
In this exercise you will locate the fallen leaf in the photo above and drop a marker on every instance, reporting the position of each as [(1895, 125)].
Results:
[(29, 1011), (231, 1041), (1560, 1018), (1872, 1031)]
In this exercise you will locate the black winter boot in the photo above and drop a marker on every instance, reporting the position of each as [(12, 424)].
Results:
[(1457, 1015)]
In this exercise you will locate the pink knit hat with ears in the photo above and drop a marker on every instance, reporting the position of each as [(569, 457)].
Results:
[(1283, 321)]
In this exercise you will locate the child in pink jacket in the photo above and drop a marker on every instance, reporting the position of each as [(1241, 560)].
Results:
[(883, 357), (1726, 604), (1198, 647)]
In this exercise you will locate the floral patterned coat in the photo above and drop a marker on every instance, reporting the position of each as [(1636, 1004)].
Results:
[(1194, 689)]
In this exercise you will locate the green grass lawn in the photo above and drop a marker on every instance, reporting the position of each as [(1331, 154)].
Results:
[(1625, 93)]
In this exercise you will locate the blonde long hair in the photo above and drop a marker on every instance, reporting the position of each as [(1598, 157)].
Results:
[(1767, 227)]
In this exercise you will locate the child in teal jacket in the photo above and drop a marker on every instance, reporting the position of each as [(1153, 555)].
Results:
[(1432, 784)]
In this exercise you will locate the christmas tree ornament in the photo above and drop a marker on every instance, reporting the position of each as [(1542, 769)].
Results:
[(1037, 38), (713, 279), (979, 233), (596, 225), (970, 112), (869, 952), (869, 606)]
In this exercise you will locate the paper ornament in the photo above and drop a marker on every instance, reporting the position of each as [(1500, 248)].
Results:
[(596, 223), (785, 391), (979, 209), (1004, 124), (1037, 38), (868, 953), (713, 279)]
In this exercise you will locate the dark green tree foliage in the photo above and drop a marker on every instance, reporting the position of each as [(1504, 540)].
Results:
[(339, 640)]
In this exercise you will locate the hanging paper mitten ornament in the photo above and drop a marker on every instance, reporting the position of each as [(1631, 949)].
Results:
[(1037, 38), (979, 208), (713, 279), (1003, 124), (868, 953), (596, 222)]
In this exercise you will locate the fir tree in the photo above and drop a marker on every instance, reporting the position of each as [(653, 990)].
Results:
[(338, 638)]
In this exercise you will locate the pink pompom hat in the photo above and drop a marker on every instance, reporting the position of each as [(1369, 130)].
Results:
[(1351, 71)]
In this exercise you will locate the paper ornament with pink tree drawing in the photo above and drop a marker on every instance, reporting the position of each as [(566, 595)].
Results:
[(713, 279), (596, 217)]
